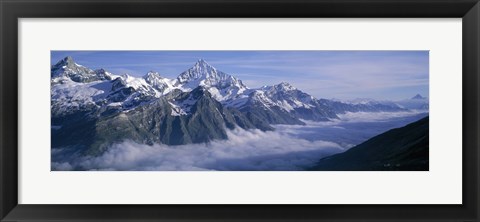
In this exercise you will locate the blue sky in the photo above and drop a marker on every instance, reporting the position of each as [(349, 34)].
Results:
[(384, 75)]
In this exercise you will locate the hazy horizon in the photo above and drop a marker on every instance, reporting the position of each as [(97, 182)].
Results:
[(346, 75)]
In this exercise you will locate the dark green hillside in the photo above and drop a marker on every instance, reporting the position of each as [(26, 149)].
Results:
[(404, 148)]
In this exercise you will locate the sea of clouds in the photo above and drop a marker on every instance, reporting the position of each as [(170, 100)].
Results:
[(289, 147)]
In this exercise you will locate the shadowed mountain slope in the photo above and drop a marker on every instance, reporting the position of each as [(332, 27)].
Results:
[(404, 148)]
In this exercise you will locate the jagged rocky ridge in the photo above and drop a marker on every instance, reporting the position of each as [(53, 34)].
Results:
[(92, 109)]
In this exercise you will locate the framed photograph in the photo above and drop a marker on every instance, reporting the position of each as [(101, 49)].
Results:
[(224, 110)]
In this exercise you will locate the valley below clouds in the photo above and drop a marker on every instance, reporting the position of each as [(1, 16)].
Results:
[(287, 148)]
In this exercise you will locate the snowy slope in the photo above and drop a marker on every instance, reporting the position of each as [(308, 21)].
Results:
[(71, 96), (283, 100), (75, 87), (221, 85), (67, 69), (162, 84)]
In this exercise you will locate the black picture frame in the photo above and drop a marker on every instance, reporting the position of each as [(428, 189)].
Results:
[(12, 10)]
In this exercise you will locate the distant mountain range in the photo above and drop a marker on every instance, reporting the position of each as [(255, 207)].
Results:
[(415, 103), (95, 108), (405, 148)]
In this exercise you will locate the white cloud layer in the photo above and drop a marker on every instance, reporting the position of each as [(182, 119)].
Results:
[(244, 150), (289, 147)]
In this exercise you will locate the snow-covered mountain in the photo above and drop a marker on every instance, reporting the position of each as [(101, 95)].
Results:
[(87, 90), (283, 101), (221, 85), (67, 69), (417, 102), (76, 86), (161, 84), (369, 101), (362, 105), (97, 107)]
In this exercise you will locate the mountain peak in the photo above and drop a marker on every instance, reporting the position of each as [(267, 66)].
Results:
[(201, 70), (152, 73), (285, 86), (418, 96), (202, 63), (222, 85), (162, 84), (66, 61), (101, 70), (67, 68), (202, 66)]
